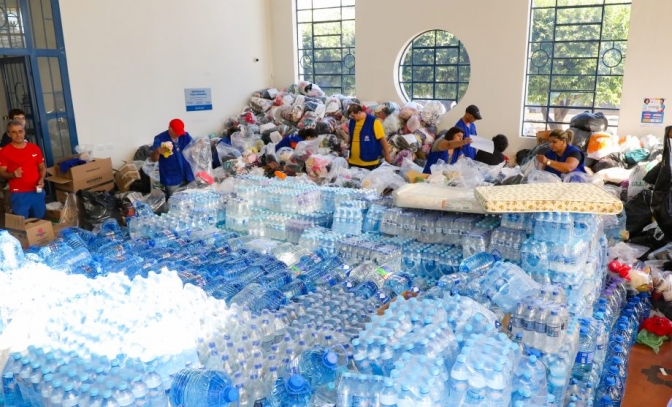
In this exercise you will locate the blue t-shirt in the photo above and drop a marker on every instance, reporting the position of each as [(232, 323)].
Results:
[(469, 130), (290, 141), (174, 169)]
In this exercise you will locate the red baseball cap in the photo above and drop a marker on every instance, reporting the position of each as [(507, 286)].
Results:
[(177, 126)]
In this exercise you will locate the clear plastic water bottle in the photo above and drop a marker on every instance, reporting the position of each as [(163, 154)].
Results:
[(202, 388), (293, 391), (459, 381), (11, 253), (156, 392), (479, 262), (584, 358)]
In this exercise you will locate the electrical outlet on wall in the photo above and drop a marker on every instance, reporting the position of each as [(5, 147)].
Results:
[(109, 146)]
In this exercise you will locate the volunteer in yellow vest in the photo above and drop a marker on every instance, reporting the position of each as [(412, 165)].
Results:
[(367, 139)]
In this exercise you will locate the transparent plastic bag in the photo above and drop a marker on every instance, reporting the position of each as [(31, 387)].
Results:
[(85, 151), (318, 166), (70, 211), (576, 176), (199, 155), (243, 140), (627, 252), (151, 168), (432, 112), (260, 105), (384, 180), (225, 152), (392, 124), (541, 177)]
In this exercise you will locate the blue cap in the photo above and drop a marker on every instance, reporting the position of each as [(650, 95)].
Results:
[(330, 360), (296, 383)]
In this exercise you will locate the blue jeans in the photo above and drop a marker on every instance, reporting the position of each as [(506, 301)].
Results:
[(28, 204)]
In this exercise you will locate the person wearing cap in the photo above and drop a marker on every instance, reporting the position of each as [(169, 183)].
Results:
[(22, 164), (367, 139), (174, 169), (466, 123)]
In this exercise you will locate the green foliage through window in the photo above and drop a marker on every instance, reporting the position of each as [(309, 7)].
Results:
[(575, 60), (434, 66), (326, 44)]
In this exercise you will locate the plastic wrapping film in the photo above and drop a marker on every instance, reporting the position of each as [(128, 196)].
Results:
[(437, 197)]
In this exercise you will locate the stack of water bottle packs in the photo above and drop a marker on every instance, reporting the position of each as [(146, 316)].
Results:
[(283, 293)]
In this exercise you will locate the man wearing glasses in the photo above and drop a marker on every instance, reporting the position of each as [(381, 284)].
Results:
[(367, 139)]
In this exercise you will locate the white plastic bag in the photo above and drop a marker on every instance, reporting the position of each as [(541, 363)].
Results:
[(636, 182)]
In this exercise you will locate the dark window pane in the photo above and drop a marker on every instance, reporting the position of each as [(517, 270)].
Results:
[(423, 57), (423, 74), (423, 91)]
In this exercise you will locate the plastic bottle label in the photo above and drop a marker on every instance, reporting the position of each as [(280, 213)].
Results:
[(585, 358), (389, 400), (540, 327), (360, 401), (260, 402), (553, 331), (528, 325)]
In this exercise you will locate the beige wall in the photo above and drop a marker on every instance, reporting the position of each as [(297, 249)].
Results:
[(129, 62), (648, 65), (493, 32)]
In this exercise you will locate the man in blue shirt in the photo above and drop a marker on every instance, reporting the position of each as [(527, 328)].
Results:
[(293, 139), (466, 123), (174, 169)]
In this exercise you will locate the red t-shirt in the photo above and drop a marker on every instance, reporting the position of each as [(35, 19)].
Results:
[(28, 159)]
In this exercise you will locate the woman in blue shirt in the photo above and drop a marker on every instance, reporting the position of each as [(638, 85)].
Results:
[(447, 148), (563, 157)]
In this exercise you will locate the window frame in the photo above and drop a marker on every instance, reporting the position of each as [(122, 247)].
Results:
[(306, 57), (602, 45), (462, 54)]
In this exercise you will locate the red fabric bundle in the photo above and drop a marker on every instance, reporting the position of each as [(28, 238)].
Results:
[(657, 325)]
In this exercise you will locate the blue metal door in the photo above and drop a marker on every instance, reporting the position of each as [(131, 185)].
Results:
[(17, 81), (31, 30)]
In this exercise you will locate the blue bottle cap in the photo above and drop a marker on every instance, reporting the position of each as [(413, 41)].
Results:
[(330, 360), (107, 394), (94, 392), (295, 383), (228, 395), (68, 387)]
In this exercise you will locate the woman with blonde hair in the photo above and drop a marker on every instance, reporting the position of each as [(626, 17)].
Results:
[(563, 157)]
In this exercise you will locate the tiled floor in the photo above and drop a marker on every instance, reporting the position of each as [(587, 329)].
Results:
[(647, 385)]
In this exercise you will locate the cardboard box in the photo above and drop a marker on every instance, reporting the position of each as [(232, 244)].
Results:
[(123, 181), (87, 176), (92, 176), (30, 232)]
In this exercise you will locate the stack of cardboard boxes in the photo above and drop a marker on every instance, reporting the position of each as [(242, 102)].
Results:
[(95, 175)]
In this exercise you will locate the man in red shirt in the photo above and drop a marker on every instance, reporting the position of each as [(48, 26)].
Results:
[(22, 164)]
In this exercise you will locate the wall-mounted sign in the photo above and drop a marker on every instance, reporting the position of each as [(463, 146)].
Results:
[(198, 99)]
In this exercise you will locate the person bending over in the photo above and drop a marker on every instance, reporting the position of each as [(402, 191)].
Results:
[(497, 157), (447, 148)]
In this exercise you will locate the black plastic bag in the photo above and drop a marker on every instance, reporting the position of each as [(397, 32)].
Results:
[(652, 175), (95, 207), (522, 155), (661, 202), (540, 149), (638, 212), (143, 153), (581, 138), (611, 161), (592, 122)]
